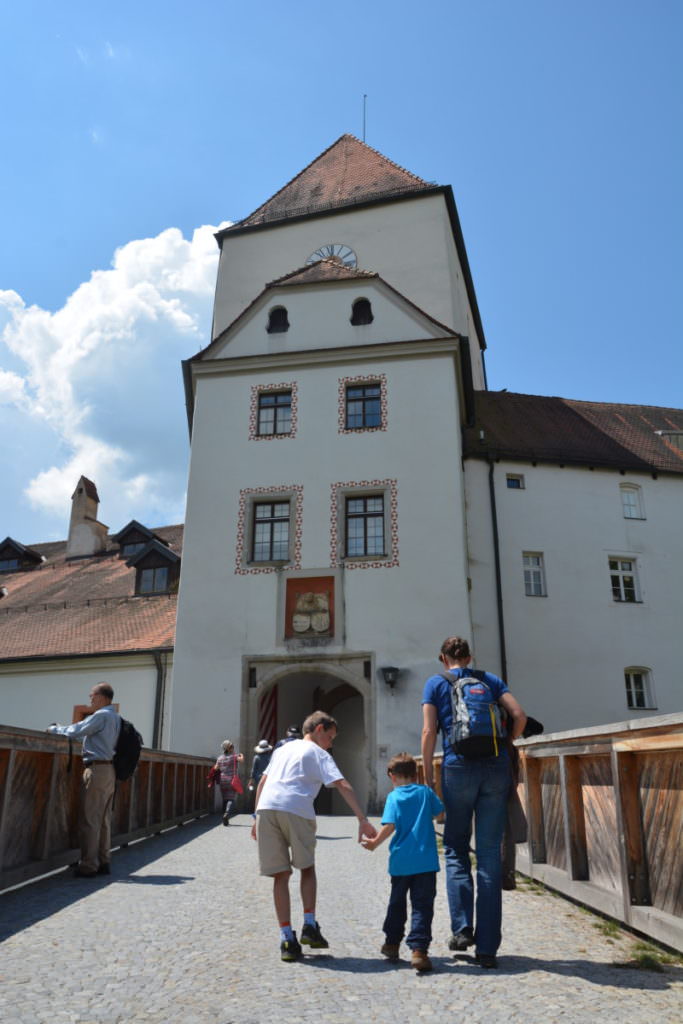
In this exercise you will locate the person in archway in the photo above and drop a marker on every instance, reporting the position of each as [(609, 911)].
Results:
[(285, 824), (293, 733), (475, 783)]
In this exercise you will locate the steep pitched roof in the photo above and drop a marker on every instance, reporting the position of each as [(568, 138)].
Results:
[(76, 606), (346, 173), (545, 429)]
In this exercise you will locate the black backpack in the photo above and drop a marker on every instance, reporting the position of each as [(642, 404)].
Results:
[(127, 753)]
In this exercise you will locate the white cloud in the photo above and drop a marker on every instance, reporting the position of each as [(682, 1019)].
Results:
[(102, 374)]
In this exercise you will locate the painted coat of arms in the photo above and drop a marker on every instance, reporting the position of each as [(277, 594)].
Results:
[(311, 613)]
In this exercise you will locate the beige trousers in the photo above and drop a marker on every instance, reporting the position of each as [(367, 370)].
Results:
[(99, 781)]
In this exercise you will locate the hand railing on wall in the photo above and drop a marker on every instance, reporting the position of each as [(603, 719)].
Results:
[(605, 813), (39, 800)]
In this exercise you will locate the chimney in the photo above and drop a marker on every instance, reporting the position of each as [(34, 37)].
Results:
[(87, 536)]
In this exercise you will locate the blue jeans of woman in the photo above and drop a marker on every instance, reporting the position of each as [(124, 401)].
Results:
[(422, 890), (475, 789)]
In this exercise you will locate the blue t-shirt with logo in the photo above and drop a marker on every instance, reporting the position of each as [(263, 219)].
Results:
[(411, 810), (437, 691)]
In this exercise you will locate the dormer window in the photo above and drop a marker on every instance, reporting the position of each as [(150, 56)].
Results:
[(361, 312), (157, 569), (14, 555), (277, 321), (131, 549), (153, 581), (133, 538)]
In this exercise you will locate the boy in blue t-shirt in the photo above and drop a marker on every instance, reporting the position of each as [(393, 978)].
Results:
[(413, 860)]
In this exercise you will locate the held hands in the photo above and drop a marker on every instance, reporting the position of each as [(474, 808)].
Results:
[(369, 844), (366, 831)]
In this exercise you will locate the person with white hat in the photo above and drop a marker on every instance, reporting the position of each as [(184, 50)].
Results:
[(263, 751)]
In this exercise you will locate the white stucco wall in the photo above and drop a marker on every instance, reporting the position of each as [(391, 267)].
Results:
[(319, 317), (33, 694), (409, 243), (393, 616), (567, 652)]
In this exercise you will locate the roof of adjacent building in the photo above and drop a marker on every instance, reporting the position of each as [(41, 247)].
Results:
[(79, 606), (348, 172), (564, 430)]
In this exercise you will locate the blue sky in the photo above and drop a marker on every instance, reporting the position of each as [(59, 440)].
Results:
[(131, 132)]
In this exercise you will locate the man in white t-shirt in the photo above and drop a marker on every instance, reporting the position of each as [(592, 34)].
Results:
[(285, 825)]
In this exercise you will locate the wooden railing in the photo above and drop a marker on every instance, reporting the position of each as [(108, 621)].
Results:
[(605, 812), (39, 800)]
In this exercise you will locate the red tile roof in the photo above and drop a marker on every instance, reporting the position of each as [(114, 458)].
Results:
[(346, 173), (321, 270), (82, 606), (545, 429)]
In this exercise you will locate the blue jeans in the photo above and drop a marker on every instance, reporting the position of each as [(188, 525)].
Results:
[(479, 789), (422, 889)]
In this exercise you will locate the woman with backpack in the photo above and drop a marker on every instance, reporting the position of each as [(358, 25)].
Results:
[(230, 782), (465, 704)]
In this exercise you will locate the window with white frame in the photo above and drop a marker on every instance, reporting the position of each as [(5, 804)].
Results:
[(270, 536), (623, 573), (364, 525), (534, 574), (631, 501), (639, 690)]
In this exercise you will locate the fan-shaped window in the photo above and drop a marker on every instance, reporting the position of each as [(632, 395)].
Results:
[(277, 321), (361, 312)]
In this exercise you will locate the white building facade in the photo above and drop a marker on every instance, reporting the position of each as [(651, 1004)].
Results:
[(348, 508)]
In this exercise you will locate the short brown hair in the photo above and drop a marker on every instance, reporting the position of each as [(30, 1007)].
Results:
[(318, 718), (454, 647), (403, 765), (105, 689)]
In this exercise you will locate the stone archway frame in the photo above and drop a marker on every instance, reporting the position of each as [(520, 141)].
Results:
[(261, 672)]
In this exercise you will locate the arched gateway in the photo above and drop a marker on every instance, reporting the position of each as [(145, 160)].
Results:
[(277, 695)]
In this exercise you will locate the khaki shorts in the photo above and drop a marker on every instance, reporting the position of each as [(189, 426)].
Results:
[(284, 841)]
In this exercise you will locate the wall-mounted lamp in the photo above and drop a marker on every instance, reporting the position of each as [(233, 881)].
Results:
[(390, 675)]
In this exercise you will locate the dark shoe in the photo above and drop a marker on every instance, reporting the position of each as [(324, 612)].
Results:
[(486, 960), (226, 818), (80, 872), (390, 950), (461, 940), (104, 869), (312, 936), (290, 950), (420, 961), (509, 881)]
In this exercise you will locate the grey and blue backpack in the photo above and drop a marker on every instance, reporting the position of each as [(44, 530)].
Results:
[(477, 729)]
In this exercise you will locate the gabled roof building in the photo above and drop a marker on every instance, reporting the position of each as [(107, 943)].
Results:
[(70, 618), (356, 493)]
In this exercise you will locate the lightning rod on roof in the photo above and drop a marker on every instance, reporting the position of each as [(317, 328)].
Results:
[(365, 100)]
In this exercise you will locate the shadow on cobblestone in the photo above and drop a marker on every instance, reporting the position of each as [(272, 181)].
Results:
[(587, 970), (39, 900)]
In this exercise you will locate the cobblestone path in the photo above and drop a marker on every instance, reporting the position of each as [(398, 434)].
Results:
[(184, 931)]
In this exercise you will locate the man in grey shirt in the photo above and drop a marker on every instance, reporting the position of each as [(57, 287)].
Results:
[(99, 733)]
